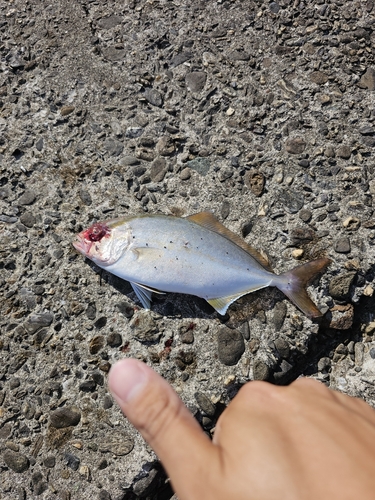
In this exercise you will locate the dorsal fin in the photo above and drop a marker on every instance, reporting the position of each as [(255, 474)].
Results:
[(209, 221)]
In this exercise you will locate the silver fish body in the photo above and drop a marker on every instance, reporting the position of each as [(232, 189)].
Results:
[(195, 255)]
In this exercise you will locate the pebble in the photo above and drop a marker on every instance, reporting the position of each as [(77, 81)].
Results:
[(118, 443), (185, 174), (342, 245), (279, 314), (318, 77), (113, 147), (283, 348), (342, 317), (158, 169), (16, 461), (147, 485), (144, 327), (96, 344), (292, 200), (367, 80), (154, 97), (114, 339), (339, 287), (200, 165), (295, 146), (28, 219), (67, 110), (261, 371), (205, 404), (344, 152), (72, 461), (231, 346), (65, 417), (196, 81), (297, 253), (255, 181), (27, 198), (36, 321)]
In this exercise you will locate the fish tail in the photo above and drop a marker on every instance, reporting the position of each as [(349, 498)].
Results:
[(293, 284)]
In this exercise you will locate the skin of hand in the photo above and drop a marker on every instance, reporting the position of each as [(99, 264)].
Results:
[(299, 442)]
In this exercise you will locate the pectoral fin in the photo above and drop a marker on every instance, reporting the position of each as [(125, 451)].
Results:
[(209, 221), (143, 294)]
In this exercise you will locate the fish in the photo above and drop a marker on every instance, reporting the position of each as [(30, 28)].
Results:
[(194, 255)]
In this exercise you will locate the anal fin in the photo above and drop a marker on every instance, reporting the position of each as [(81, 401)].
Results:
[(221, 304)]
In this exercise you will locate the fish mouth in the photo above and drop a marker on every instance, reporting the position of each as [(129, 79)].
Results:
[(81, 245)]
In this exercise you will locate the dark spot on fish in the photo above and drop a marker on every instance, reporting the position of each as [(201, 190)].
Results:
[(146, 244), (176, 258), (171, 242), (165, 247)]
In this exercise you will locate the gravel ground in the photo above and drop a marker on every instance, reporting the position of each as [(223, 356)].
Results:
[(262, 112)]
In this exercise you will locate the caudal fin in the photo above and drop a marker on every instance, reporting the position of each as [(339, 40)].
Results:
[(293, 283)]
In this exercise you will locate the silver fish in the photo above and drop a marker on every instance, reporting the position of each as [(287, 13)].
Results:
[(195, 255)]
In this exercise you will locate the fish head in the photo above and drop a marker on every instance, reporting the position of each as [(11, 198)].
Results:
[(103, 243)]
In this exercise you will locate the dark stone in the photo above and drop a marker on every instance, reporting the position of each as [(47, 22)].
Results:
[(36, 321), (342, 245), (125, 308), (231, 346), (154, 97), (114, 339), (318, 77), (107, 402), (72, 461), (27, 198), (158, 169), (85, 196), (245, 330), (16, 461), (133, 132), (147, 485), (292, 201), (27, 219), (367, 80), (65, 417), (49, 462), (91, 310), (339, 287), (205, 404), (344, 152), (196, 80), (200, 165), (39, 144), (282, 347), (180, 59), (301, 235), (87, 386), (295, 145), (100, 323), (113, 147), (261, 371), (305, 215), (104, 495), (279, 314)]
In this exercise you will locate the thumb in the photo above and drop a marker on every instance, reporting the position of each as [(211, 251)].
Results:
[(154, 408)]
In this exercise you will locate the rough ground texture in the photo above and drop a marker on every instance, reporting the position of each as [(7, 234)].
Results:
[(262, 112)]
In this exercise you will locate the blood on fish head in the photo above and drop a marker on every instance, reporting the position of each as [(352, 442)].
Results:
[(89, 242), (99, 243)]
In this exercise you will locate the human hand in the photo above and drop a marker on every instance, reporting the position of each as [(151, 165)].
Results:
[(299, 442)]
